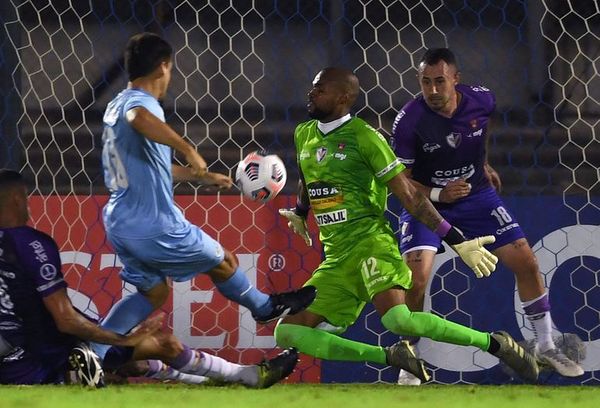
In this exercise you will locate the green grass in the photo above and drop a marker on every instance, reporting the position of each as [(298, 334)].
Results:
[(300, 395)]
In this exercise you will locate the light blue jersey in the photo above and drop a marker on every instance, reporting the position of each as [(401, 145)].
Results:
[(137, 171)]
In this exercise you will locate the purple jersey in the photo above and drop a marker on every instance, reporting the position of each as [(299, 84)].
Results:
[(30, 269), (439, 149)]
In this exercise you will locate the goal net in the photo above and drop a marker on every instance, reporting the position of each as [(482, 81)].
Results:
[(242, 71)]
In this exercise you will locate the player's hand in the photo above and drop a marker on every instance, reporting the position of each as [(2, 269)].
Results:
[(455, 190), (297, 224), (197, 162), (221, 181), (472, 252), (145, 329), (493, 176)]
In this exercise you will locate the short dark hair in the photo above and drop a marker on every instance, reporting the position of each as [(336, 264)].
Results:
[(9, 178), (145, 52), (9, 181), (434, 55)]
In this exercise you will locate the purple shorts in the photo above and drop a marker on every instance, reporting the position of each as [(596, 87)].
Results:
[(481, 213), (24, 367)]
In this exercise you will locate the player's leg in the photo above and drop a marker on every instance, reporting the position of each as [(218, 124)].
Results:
[(386, 282), (520, 259), (484, 213), (338, 304), (418, 247), (233, 283), (400, 320), (420, 262), (152, 288), (304, 333), (170, 359)]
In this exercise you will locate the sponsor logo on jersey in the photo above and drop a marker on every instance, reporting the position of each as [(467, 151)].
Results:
[(430, 147), (508, 227), (339, 156), (40, 252), (476, 133), (406, 239), (479, 88), (48, 271), (392, 143), (442, 177), (304, 155), (321, 153), (324, 195), (397, 120), (333, 217), (453, 139)]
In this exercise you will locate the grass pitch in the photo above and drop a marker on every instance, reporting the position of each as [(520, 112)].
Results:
[(299, 395)]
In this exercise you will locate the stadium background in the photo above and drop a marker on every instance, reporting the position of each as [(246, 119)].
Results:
[(242, 72)]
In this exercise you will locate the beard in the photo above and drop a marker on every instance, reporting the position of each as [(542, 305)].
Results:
[(317, 114)]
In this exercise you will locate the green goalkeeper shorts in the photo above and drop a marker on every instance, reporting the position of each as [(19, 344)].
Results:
[(346, 283)]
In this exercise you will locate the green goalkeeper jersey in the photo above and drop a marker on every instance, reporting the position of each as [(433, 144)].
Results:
[(346, 174)]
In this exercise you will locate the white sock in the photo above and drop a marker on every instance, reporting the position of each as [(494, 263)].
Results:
[(164, 372), (218, 368), (542, 329), (541, 322)]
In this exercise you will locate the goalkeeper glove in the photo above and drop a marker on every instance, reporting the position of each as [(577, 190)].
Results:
[(297, 223), (472, 252)]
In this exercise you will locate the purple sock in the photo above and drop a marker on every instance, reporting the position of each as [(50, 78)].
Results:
[(183, 358), (537, 306), (155, 367)]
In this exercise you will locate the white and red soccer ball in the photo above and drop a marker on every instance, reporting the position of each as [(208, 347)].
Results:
[(260, 176)]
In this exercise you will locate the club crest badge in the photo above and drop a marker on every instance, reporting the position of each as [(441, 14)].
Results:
[(321, 153), (453, 139)]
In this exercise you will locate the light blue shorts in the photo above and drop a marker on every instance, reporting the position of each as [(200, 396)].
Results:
[(179, 255)]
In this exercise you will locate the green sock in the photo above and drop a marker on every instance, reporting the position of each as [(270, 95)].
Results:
[(327, 346), (401, 321)]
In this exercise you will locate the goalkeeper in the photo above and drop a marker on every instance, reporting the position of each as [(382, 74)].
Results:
[(346, 167)]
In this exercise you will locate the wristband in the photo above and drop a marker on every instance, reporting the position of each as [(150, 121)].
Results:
[(434, 194), (454, 236), (443, 228), (301, 209)]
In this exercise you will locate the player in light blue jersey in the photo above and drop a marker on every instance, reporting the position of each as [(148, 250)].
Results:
[(149, 233)]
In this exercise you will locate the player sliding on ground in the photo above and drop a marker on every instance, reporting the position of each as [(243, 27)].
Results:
[(346, 168), (40, 327)]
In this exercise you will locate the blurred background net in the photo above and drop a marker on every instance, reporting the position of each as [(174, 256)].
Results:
[(243, 68)]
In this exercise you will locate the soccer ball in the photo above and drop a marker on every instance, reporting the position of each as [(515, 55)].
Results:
[(260, 176)]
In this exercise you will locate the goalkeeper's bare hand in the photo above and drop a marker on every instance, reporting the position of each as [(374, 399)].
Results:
[(472, 252), (297, 224)]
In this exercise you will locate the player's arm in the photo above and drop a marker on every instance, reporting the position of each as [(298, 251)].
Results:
[(147, 124), (297, 216), (181, 173), (490, 173), (68, 320), (472, 251), (451, 192)]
